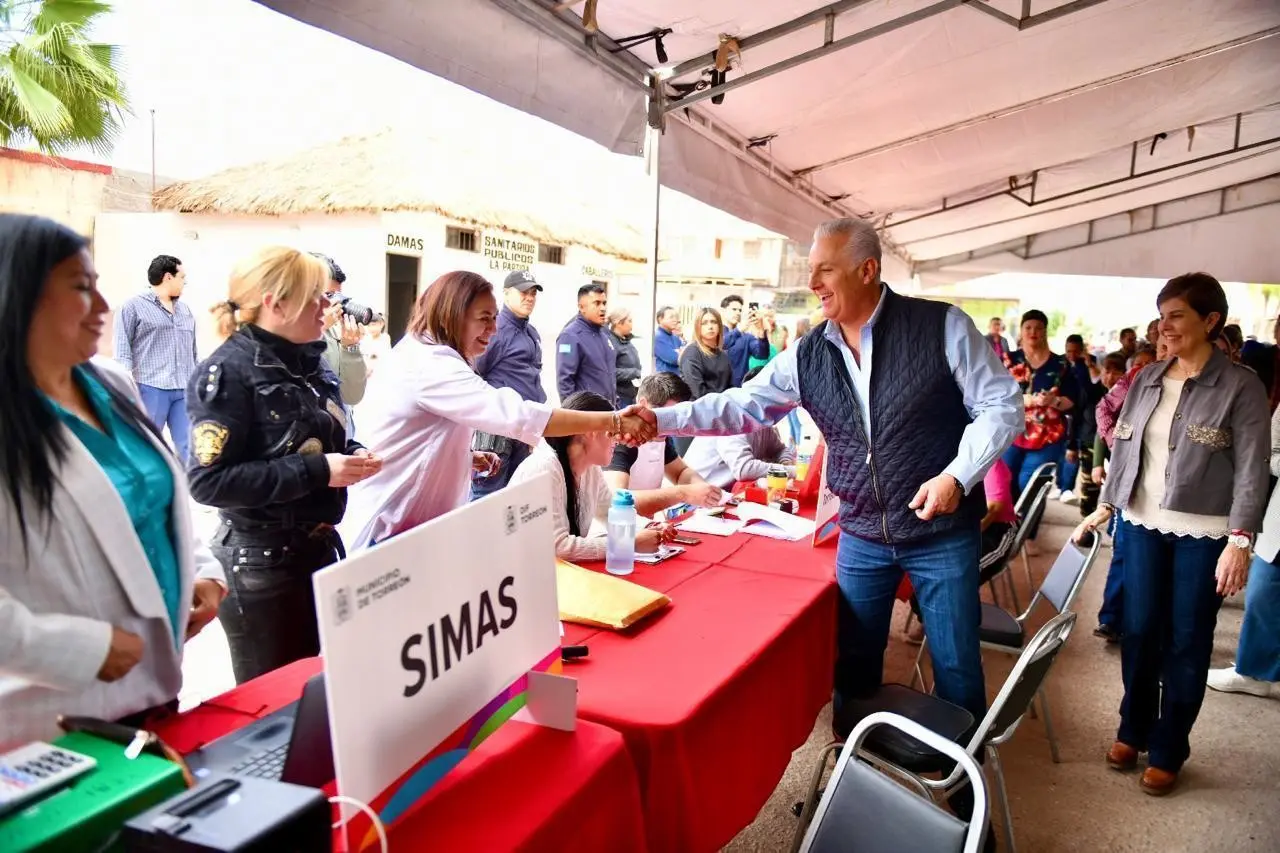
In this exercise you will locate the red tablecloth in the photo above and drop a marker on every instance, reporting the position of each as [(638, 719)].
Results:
[(526, 788), (715, 693)]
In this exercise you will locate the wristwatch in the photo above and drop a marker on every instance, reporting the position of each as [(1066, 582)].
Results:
[(1240, 539)]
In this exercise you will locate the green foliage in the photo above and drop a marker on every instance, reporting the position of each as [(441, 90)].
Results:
[(57, 87)]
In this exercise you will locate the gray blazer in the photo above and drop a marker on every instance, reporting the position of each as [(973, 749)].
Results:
[(1218, 446), (1268, 545), (85, 574)]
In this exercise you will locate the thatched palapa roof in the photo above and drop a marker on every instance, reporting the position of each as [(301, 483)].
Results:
[(495, 181)]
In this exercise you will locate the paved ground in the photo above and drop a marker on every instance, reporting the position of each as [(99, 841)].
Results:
[(1229, 800)]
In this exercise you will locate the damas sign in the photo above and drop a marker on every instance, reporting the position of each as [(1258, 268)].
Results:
[(507, 253), (405, 245), (434, 633)]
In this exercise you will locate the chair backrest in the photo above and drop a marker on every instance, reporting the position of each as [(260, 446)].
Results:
[(1026, 679), (865, 811), (1068, 573), (1046, 473), (1034, 510)]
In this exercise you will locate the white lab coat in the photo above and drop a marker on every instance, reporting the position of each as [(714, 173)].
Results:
[(419, 413), (86, 573)]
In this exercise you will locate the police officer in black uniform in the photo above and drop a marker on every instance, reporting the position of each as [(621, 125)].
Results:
[(270, 451)]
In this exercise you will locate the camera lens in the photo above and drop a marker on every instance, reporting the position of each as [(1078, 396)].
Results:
[(362, 314)]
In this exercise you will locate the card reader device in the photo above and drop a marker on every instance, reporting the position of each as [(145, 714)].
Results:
[(234, 814)]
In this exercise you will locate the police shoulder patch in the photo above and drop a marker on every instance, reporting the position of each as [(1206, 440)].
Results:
[(208, 440)]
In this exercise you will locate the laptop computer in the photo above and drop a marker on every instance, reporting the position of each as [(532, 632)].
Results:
[(289, 745)]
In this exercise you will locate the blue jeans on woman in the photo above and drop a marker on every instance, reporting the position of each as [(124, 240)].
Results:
[(1171, 606), (1111, 614), (1023, 463), (1258, 655), (944, 574)]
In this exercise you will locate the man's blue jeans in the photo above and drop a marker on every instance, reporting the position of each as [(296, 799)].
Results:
[(1171, 606), (1111, 614), (165, 406), (944, 573), (1259, 653)]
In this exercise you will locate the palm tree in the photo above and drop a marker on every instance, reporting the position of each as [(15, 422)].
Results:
[(58, 88)]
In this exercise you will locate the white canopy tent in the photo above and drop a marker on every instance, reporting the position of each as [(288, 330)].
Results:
[(1131, 137)]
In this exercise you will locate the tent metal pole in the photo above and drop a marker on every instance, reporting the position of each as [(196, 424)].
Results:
[(653, 170), (826, 16)]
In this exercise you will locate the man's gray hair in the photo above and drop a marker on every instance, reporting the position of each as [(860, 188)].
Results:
[(861, 239), (619, 315)]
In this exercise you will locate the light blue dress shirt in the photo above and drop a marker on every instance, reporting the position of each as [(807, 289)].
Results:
[(143, 480), (991, 397)]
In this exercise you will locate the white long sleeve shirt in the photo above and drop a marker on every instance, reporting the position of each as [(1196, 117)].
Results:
[(419, 413), (594, 498)]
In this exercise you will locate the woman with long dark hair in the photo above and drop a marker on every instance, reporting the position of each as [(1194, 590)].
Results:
[(100, 575), (270, 450), (1189, 473), (705, 365), (579, 492), (425, 403)]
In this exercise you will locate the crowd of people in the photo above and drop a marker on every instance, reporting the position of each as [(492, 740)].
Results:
[(103, 580)]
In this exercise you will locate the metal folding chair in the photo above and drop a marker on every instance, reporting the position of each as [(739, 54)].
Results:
[(1002, 631), (1030, 506), (865, 811), (909, 757)]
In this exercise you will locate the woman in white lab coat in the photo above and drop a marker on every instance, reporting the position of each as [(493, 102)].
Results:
[(101, 579), (424, 403)]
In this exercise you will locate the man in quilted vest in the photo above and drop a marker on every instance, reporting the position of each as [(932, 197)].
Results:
[(909, 441)]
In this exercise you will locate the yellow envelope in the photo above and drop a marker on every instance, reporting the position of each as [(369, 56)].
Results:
[(602, 600)]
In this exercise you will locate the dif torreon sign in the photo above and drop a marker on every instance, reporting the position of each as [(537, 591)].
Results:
[(432, 640)]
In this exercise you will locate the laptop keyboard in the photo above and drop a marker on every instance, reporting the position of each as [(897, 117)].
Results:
[(268, 764)]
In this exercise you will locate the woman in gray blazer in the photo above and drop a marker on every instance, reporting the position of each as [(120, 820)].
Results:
[(1189, 472), (101, 580)]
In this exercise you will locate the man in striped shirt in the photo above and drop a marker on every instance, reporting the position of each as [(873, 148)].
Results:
[(155, 340)]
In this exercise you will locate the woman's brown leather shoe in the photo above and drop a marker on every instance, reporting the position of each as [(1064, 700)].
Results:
[(1121, 756), (1157, 782)]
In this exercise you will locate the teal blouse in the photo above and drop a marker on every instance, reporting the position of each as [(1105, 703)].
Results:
[(143, 480)]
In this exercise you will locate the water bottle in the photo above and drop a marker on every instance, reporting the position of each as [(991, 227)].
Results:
[(620, 553)]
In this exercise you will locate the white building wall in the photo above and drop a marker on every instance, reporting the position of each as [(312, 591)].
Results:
[(210, 246)]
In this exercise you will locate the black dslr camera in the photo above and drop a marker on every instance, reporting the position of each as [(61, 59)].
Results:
[(362, 314)]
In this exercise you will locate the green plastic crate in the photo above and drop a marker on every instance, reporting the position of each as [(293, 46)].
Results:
[(84, 816)]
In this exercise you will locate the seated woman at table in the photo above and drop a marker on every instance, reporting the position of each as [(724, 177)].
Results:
[(579, 492), (424, 404), (101, 579)]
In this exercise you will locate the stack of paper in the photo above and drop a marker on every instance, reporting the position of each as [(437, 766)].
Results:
[(765, 521), (602, 600)]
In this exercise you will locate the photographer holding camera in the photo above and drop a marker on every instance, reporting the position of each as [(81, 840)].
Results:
[(342, 321)]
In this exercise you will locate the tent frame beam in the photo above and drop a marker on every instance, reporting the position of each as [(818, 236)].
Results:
[(1019, 184), (807, 56), (1023, 247), (566, 27), (1055, 97), (826, 16)]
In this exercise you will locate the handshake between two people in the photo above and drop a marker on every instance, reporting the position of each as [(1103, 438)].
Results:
[(635, 425)]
